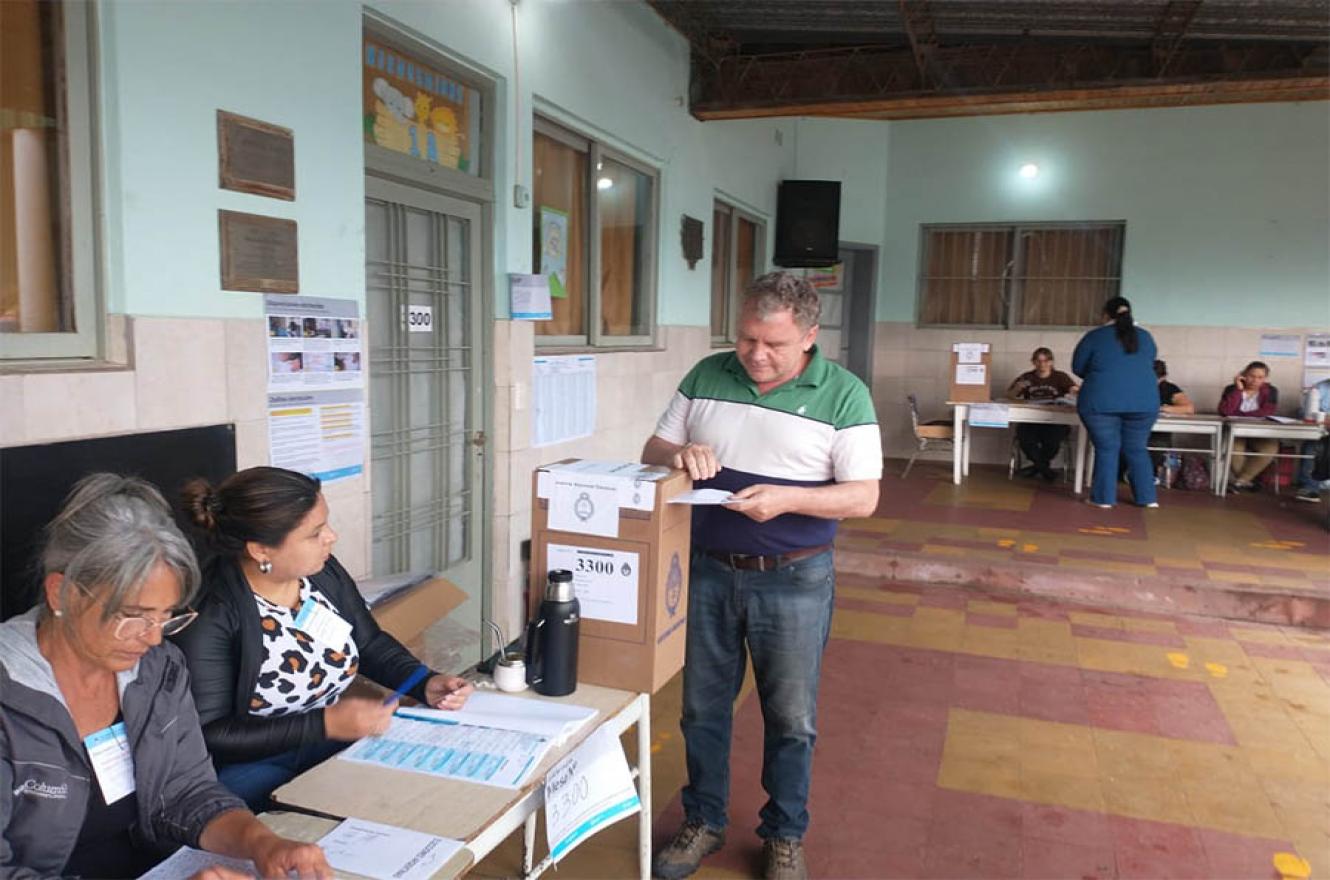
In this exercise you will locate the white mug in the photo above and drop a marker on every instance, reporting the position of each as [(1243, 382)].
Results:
[(510, 674)]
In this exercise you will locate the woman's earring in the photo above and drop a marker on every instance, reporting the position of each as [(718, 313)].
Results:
[(58, 613), (265, 566)]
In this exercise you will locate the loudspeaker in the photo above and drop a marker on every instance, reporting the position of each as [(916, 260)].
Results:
[(807, 223)]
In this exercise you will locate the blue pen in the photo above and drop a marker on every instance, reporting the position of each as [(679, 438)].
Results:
[(411, 681)]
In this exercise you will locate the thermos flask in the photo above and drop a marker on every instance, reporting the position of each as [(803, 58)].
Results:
[(551, 638)]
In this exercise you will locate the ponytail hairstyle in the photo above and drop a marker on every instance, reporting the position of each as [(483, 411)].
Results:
[(1118, 310), (260, 504)]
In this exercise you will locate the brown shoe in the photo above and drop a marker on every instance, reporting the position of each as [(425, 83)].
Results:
[(783, 859), (682, 855)]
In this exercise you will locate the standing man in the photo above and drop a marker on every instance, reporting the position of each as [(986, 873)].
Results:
[(793, 436)]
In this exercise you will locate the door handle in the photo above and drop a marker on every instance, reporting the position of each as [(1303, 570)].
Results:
[(478, 439)]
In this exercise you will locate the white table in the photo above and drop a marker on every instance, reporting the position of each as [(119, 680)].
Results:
[(1018, 412), (1241, 426), (310, 829), (481, 816), (1205, 424)]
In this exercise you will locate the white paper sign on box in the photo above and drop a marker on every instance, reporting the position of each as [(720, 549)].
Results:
[(605, 581), (587, 505)]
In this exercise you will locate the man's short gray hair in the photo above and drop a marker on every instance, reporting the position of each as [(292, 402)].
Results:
[(109, 536), (779, 291)]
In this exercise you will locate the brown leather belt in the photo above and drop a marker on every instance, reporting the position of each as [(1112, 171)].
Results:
[(764, 563)]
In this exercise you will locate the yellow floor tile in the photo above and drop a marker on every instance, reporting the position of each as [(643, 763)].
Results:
[(998, 609), (1156, 802), (1073, 791), (996, 778)]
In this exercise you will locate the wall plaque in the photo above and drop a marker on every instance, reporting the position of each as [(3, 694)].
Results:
[(258, 253), (256, 157)]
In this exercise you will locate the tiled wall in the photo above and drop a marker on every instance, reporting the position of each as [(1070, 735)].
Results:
[(632, 389), (1201, 360), (169, 373)]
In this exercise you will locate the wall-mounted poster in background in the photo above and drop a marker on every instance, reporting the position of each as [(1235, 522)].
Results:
[(831, 279), (554, 249), (413, 108)]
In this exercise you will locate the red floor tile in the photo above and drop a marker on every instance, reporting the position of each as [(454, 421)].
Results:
[(952, 853), (1061, 860), (1164, 640), (1236, 857), (1082, 827), (883, 608), (996, 621)]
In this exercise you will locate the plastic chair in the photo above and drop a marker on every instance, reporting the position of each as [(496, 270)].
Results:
[(939, 433)]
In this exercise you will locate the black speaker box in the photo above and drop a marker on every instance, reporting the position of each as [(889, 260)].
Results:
[(807, 223)]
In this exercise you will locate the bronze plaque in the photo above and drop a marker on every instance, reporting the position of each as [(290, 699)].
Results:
[(256, 157), (258, 253)]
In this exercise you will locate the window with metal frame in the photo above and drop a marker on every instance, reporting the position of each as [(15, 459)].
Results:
[(737, 245), (595, 234), (1018, 275), (48, 293)]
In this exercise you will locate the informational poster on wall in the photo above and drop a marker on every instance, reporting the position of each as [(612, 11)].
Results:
[(605, 581), (1316, 359), (313, 343), (319, 433), (554, 249), (1275, 345), (563, 393)]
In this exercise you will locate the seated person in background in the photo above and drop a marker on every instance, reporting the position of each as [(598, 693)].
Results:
[(87, 665), (282, 632), (1172, 399), (1040, 443), (1250, 395), (1315, 408)]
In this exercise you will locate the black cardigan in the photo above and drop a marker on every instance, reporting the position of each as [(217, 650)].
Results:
[(224, 648)]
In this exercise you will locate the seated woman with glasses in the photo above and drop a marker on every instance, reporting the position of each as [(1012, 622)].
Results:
[(102, 764), (1040, 442), (282, 632)]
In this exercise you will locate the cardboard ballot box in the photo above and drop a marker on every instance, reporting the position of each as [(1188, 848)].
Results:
[(612, 526)]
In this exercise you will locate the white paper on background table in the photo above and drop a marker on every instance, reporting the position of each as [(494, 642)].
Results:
[(703, 496), (605, 581), (990, 415), (586, 791), (545, 717), (187, 861), (586, 504), (385, 852)]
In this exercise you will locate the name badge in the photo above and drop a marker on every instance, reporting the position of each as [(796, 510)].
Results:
[(108, 749), (322, 624)]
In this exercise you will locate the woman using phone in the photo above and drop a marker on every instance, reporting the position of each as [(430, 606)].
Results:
[(1252, 395)]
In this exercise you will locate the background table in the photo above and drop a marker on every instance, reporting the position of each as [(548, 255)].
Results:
[(1018, 412), (1240, 426), (1210, 425), (481, 816)]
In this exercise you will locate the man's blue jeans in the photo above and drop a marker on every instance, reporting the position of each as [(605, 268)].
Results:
[(1125, 434), (254, 781), (782, 618)]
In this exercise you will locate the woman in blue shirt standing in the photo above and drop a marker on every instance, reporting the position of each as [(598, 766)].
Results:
[(1119, 402)]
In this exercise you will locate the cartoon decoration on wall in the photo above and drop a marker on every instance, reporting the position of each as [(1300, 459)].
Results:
[(413, 109)]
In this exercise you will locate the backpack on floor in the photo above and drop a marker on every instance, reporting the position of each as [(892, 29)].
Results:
[(1195, 475)]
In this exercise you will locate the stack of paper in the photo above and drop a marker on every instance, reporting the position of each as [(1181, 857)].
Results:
[(493, 740)]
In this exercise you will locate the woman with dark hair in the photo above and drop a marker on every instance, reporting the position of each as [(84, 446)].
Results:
[(281, 634), (1251, 395), (1119, 402), (103, 770), (1040, 442)]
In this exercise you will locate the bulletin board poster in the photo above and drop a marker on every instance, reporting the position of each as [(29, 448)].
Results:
[(314, 343), (1316, 359), (554, 249), (413, 108), (830, 280)]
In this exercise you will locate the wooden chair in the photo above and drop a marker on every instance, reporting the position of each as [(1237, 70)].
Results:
[(939, 433)]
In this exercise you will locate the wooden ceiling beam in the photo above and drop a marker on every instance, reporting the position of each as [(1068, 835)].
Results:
[(1303, 88)]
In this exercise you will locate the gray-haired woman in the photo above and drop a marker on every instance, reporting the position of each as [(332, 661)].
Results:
[(100, 745)]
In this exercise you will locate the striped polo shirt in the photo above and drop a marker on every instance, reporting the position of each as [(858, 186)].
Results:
[(816, 429)]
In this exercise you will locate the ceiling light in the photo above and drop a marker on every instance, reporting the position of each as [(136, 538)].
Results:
[(604, 183), (1029, 171)]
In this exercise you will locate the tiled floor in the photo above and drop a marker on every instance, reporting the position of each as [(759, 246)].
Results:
[(964, 735)]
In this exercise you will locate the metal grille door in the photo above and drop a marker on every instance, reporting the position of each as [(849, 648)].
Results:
[(423, 305)]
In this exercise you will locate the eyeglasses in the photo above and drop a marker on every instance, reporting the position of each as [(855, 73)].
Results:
[(136, 627)]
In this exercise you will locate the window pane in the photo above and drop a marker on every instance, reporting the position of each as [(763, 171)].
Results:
[(964, 276), (559, 240), (413, 108), (720, 269), (34, 200), (624, 201), (1068, 274), (745, 255)]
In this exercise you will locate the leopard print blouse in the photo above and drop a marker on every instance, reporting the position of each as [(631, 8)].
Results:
[(299, 672)]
